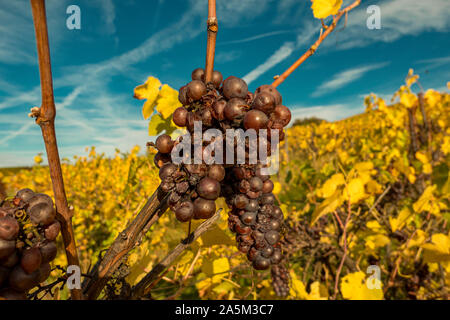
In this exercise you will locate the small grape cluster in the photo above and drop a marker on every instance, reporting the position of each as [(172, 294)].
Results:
[(280, 280), (28, 230), (222, 105)]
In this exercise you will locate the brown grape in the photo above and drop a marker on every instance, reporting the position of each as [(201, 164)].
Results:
[(283, 114), (234, 87), (264, 101), (31, 260), (9, 228), (196, 90), (164, 143), (42, 214), (272, 90), (6, 248), (182, 95), (51, 232), (22, 281), (235, 109), (255, 119), (180, 116), (185, 211), (198, 74), (203, 208), (216, 172), (48, 251), (216, 79)]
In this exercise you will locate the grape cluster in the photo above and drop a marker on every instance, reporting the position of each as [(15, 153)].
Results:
[(193, 187), (28, 230), (227, 104)]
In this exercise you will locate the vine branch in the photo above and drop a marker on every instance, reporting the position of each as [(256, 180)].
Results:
[(126, 240), (143, 287), (45, 117), (212, 29), (316, 45)]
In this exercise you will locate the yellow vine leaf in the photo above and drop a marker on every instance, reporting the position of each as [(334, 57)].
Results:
[(400, 221), (220, 267), (411, 78), (167, 101), (355, 191), (324, 8), (438, 250), (38, 159), (432, 97), (298, 289), (318, 291), (276, 188), (375, 241), (427, 202), (149, 91), (422, 157), (329, 205), (155, 122), (353, 287), (408, 99), (418, 239), (330, 186)]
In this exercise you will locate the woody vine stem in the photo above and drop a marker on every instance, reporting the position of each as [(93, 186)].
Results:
[(45, 117)]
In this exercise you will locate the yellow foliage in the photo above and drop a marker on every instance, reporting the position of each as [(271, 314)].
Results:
[(354, 287), (324, 8), (438, 250)]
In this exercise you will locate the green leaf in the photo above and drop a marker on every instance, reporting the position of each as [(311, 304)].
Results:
[(154, 127)]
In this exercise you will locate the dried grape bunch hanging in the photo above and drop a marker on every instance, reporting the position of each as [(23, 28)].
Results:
[(254, 217), (28, 230)]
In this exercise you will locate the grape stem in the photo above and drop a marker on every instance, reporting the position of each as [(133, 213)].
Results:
[(279, 80), (143, 287), (212, 28), (46, 120)]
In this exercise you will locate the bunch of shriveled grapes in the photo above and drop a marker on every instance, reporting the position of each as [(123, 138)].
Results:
[(193, 188), (28, 230)]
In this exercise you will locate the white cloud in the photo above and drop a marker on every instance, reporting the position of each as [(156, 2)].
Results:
[(227, 56), (327, 112), (108, 15), (256, 37), (343, 78), (284, 51), (17, 43)]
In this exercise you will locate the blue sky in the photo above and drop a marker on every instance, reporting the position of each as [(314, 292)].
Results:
[(121, 43)]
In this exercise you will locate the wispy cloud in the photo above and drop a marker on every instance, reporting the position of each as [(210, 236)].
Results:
[(285, 51), (343, 78), (256, 37), (17, 43), (227, 56), (327, 112), (435, 62), (108, 15)]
